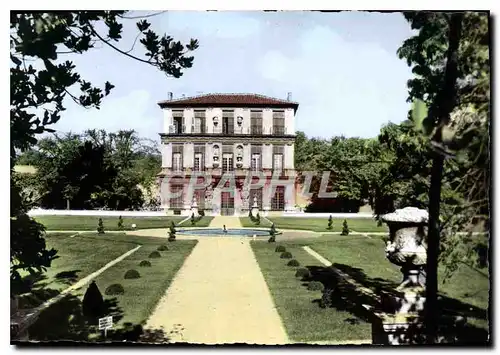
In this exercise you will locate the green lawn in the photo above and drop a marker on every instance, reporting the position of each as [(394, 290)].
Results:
[(203, 222), (466, 293), (302, 316), (63, 320), (317, 224), (77, 257), (86, 223), (246, 222)]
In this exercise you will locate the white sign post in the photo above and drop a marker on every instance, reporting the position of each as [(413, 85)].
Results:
[(105, 324)]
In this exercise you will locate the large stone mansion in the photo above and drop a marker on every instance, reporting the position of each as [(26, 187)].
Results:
[(247, 138)]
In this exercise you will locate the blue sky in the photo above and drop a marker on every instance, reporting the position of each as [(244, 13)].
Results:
[(342, 68)]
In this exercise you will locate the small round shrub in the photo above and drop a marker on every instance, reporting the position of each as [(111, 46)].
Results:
[(315, 286), (286, 255), (145, 263), (303, 273), (114, 289), (155, 255), (132, 274), (162, 248), (293, 262), (280, 249)]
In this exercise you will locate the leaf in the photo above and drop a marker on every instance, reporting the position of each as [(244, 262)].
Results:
[(107, 88), (143, 25)]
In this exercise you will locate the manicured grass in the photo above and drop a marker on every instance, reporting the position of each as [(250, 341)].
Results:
[(203, 222), (316, 224), (77, 257), (365, 258), (246, 222), (85, 223), (63, 320), (302, 317), (141, 295)]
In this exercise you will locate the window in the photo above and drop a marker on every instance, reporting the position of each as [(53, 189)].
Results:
[(258, 194), (176, 202), (177, 157), (256, 166), (278, 200), (278, 122), (178, 120), (227, 122), (278, 158), (278, 162), (200, 198), (227, 162), (199, 157), (256, 122), (199, 122)]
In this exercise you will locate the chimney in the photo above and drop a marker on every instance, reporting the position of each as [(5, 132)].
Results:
[(289, 96), (170, 95)]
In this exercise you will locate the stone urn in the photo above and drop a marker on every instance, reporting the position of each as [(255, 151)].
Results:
[(407, 244)]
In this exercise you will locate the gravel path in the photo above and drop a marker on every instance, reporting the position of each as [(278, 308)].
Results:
[(219, 296)]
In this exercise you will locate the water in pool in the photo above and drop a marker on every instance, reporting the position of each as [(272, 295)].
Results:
[(221, 232)]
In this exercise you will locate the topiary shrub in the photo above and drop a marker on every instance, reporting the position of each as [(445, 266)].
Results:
[(100, 227), (257, 219), (155, 254), (330, 222), (120, 223), (272, 233), (145, 263), (171, 232), (132, 274), (345, 228), (193, 219), (93, 303), (303, 273), (315, 286), (115, 289), (293, 263), (162, 248), (280, 249), (286, 255), (201, 213)]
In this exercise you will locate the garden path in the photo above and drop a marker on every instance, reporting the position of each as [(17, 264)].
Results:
[(219, 296)]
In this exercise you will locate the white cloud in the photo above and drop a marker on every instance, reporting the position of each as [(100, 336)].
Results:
[(122, 112), (347, 87), (221, 24)]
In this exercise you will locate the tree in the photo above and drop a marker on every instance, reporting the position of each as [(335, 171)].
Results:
[(171, 232), (450, 60), (40, 81), (330, 222), (93, 305), (100, 227), (272, 233), (120, 223), (345, 228)]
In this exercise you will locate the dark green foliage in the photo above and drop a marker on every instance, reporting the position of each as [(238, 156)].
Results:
[(345, 228), (93, 303), (201, 213), (257, 219), (120, 223), (171, 232), (330, 222), (280, 249), (303, 273), (272, 233), (286, 255), (162, 248), (114, 290), (315, 286), (193, 219), (132, 274), (100, 227), (293, 263), (145, 263), (154, 255)]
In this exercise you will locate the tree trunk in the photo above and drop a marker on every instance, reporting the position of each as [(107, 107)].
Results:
[(67, 204), (445, 103)]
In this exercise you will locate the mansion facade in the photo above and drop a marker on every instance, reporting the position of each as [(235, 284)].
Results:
[(227, 153)]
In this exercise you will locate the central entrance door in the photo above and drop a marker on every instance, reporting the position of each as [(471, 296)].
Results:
[(227, 204)]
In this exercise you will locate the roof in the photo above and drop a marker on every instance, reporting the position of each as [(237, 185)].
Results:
[(229, 100)]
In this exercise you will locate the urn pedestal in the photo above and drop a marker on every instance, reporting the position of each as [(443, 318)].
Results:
[(399, 320)]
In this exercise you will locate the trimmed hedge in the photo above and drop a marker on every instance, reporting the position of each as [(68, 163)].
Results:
[(145, 263), (315, 286), (132, 274), (293, 262), (303, 273), (114, 289), (162, 248), (286, 255), (155, 254), (280, 249)]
